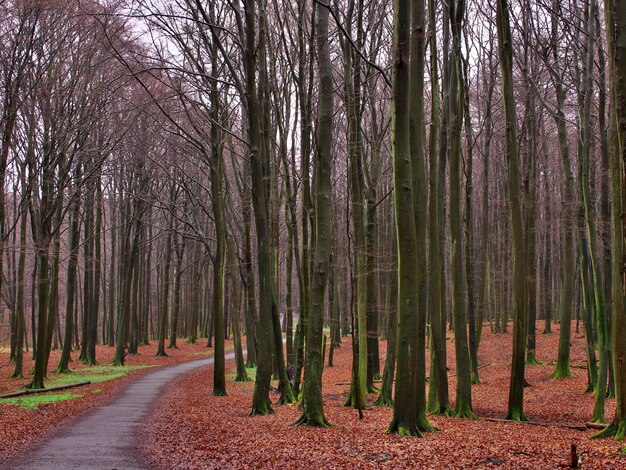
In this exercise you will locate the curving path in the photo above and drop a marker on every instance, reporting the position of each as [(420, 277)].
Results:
[(105, 437)]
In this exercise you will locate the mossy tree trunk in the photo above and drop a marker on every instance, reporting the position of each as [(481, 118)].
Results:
[(615, 14), (313, 407), (405, 413), (352, 97), (463, 404), (530, 140), (261, 403), (597, 293), (438, 394), (566, 303), (520, 303), (417, 143), (385, 397)]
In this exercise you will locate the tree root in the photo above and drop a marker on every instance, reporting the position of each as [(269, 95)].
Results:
[(561, 374), (287, 398), (242, 377), (444, 411), (317, 420), (424, 425), (403, 430), (464, 411), (517, 415), (262, 409), (612, 430), (384, 400), (531, 359)]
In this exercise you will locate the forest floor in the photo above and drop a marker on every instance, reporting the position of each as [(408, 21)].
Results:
[(27, 421), (189, 428)]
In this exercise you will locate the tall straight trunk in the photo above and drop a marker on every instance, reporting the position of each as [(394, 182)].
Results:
[(97, 272), (53, 295), (334, 307), (129, 243), (42, 213), (196, 295), (483, 282), (305, 96), (468, 232), (313, 406), (217, 308), (385, 397), (615, 14), (19, 296), (260, 400), (165, 290), (352, 73), (133, 333), (113, 271), (547, 269), (417, 142), (74, 240), (607, 136), (174, 327), (438, 394), (219, 256), (597, 293), (372, 307), (250, 303), (520, 312), (88, 257), (531, 127), (566, 304), (288, 286), (235, 296), (463, 404), (405, 412), (42, 260)]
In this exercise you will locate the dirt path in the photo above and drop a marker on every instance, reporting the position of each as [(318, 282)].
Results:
[(106, 437)]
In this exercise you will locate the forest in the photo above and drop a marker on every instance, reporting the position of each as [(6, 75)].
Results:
[(359, 220)]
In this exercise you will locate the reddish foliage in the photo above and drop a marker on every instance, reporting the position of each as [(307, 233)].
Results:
[(192, 429)]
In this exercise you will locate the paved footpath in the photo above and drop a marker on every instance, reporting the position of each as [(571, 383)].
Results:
[(105, 438)]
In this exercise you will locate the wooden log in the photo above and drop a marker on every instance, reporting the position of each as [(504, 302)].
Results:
[(534, 423), (31, 391), (600, 426)]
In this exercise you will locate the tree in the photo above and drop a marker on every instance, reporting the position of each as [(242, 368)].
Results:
[(405, 412), (463, 404), (520, 303), (313, 410), (615, 15)]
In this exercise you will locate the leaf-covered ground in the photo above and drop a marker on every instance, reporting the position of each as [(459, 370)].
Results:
[(190, 428), (25, 422)]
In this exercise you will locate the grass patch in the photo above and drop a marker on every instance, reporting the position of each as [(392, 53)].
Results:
[(32, 402), (107, 369), (95, 374), (97, 390)]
